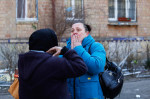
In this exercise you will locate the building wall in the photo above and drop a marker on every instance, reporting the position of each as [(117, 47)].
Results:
[(96, 14), (143, 16), (10, 28)]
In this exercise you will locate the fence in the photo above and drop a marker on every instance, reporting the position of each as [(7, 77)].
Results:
[(123, 52)]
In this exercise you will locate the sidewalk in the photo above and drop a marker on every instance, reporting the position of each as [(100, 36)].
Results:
[(136, 88), (6, 96), (133, 88)]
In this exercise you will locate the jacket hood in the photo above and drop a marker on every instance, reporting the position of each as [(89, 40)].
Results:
[(29, 62)]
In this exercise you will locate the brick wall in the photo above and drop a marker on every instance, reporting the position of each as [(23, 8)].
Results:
[(7, 19), (96, 14), (143, 11), (10, 28)]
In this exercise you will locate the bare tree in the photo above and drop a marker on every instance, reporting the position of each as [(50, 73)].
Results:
[(9, 54), (147, 63), (65, 14)]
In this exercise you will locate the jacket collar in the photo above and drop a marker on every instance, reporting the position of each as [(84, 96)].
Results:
[(86, 41)]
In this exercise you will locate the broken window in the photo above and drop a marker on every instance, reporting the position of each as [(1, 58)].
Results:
[(74, 9), (27, 10)]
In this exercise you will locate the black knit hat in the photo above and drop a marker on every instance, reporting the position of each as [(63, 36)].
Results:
[(42, 40)]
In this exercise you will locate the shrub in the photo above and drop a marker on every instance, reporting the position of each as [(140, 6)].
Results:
[(147, 64)]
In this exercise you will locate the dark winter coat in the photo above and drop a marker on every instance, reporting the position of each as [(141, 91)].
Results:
[(42, 76)]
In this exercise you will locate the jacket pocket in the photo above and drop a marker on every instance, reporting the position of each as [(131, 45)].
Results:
[(88, 78), (89, 87)]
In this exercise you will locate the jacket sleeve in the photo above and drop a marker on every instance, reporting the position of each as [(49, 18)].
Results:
[(70, 65), (96, 61)]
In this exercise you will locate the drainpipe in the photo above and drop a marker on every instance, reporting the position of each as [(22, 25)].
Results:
[(53, 15)]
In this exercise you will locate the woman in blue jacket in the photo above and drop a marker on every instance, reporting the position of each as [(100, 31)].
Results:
[(94, 56)]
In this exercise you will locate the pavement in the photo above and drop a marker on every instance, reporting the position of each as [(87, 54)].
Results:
[(133, 88), (6, 96)]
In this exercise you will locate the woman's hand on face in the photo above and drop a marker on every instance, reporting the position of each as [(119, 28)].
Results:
[(75, 41), (82, 36), (55, 50)]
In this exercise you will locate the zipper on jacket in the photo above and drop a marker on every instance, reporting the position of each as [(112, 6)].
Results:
[(74, 88)]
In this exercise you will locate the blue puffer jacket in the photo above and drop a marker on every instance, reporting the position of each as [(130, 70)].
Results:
[(87, 86)]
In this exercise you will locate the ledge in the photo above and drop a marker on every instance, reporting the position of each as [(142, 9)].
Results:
[(64, 39), (26, 21), (123, 23), (15, 41), (74, 19)]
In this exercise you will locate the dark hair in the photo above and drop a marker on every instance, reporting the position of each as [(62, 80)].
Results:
[(87, 27)]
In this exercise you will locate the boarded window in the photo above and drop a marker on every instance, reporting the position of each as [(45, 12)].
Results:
[(31, 12), (27, 9)]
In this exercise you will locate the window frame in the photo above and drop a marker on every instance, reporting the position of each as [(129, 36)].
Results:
[(68, 18), (127, 11), (26, 19)]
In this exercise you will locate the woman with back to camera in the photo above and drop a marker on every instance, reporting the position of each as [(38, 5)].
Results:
[(42, 76), (94, 56)]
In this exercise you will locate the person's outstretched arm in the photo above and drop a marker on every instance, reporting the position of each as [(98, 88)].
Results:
[(70, 65)]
